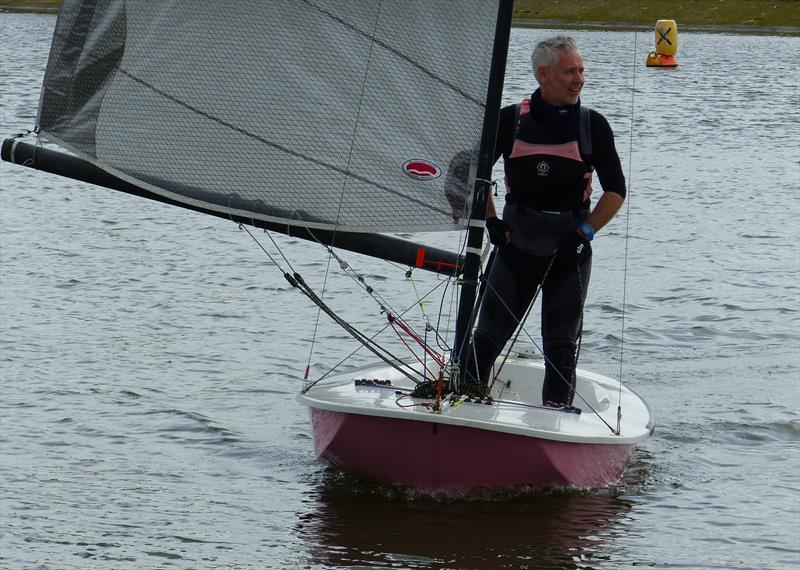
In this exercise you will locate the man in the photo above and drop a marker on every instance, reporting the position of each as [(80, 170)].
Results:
[(550, 148)]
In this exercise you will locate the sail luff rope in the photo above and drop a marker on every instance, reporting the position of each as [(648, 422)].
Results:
[(627, 240)]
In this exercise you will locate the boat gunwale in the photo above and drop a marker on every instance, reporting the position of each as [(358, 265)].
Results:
[(425, 415)]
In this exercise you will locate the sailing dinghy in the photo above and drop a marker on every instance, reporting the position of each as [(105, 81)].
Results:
[(339, 122), (506, 440)]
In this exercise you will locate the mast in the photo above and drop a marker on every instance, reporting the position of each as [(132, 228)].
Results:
[(374, 245), (472, 261)]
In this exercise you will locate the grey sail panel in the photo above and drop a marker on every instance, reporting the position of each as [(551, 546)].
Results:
[(355, 115)]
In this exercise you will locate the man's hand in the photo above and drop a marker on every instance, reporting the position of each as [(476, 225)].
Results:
[(499, 232), (572, 245)]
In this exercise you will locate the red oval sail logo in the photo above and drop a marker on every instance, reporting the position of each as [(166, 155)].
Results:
[(421, 169)]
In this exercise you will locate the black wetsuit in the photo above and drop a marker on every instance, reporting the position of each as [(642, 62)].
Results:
[(549, 181)]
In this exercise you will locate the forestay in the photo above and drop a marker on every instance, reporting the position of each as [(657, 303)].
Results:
[(353, 115)]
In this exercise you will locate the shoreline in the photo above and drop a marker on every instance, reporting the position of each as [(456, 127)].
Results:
[(739, 29)]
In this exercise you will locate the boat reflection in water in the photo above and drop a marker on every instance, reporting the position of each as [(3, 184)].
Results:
[(354, 525)]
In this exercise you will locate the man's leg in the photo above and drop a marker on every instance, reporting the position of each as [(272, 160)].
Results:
[(511, 283), (563, 296)]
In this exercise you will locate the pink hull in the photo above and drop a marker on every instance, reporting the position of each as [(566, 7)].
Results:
[(441, 457)]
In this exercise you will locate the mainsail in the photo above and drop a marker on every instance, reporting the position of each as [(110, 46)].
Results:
[(355, 116), (324, 119)]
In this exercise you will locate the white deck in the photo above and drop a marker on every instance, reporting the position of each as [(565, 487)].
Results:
[(515, 410)]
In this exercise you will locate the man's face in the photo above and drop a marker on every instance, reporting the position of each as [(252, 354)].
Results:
[(561, 84)]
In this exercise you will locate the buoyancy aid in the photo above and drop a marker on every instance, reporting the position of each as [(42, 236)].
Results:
[(544, 172)]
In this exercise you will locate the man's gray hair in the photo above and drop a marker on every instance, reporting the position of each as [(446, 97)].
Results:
[(545, 51)]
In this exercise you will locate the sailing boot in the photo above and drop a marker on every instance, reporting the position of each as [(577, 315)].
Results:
[(559, 376)]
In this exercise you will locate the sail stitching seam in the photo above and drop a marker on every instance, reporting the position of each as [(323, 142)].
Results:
[(274, 145), (395, 51)]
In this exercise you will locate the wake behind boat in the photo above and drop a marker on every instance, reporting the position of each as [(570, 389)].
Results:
[(367, 422)]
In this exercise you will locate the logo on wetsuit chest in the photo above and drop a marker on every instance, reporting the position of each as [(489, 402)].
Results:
[(543, 169)]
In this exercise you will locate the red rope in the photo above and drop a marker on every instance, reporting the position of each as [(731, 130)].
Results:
[(421, 404), (438, 358), (428, 370)]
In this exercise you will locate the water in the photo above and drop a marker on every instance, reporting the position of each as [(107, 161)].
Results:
[(150, 356)]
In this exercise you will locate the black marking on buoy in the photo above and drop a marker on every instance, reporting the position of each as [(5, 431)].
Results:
[(664, 36)]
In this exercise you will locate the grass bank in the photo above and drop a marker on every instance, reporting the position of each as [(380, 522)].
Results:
[(777, 15), (46, 6), (760, 15)]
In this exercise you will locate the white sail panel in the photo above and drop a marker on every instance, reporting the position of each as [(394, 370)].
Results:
[(298, 111)]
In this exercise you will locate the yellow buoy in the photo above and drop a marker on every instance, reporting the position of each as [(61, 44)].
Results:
[(666, 45), (652, 59), (666, 37)]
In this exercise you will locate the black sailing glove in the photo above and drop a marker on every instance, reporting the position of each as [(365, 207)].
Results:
[(497, 229), (573, 245)]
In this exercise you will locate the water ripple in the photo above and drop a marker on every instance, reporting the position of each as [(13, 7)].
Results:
[(149, 358)]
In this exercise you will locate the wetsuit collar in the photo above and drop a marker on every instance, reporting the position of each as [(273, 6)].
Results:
[(556, 117)]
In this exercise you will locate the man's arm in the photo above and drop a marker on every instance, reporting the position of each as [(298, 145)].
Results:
[(505, 139), (491, 212), (605, 209), (496, 228), (609, 171)]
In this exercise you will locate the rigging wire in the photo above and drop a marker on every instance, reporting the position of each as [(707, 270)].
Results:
[(289, 264), (384, 305), (259, 244), (344, 179), (296, 280), (462, 252), (541, 350), (441, 342), (521, 324), (393, 316), (349, 356), (627, 239)]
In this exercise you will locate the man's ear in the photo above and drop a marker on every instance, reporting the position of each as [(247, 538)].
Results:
[(542, 72)]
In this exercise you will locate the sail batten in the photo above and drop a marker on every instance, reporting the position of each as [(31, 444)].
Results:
[(348, 115)]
